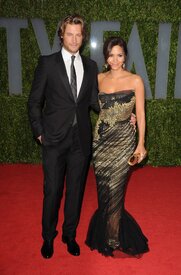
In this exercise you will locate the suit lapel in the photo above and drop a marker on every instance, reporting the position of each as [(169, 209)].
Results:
[(63, 75), (85, 78), (64, 78)]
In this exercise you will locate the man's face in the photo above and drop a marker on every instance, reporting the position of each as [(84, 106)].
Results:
[(72, 38)]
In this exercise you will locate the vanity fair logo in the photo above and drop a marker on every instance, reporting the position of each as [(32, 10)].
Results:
[(14, 25)]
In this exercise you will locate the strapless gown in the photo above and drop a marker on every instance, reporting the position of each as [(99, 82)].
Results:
[(112, 227)]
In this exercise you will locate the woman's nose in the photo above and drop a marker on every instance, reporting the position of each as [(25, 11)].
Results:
[(115, 59)]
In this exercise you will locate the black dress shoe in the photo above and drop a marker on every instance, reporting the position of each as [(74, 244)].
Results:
[(72, 246), (47, 249)]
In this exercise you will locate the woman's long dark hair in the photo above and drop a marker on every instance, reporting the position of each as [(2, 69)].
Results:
[(110, 43)]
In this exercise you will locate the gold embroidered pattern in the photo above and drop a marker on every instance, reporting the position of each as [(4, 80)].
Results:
[(116, 113)]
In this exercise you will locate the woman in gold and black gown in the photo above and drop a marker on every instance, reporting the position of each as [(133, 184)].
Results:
[(112, 227)]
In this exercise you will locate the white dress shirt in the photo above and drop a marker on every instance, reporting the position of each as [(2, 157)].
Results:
[(77, 64)]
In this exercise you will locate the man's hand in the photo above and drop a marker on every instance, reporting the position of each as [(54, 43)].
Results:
[(40, 139), (133, 120)]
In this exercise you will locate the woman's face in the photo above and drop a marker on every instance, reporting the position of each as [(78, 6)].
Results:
[(116, 58)]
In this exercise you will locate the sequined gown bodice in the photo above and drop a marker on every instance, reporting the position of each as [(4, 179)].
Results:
[(111, 226), (115, 108)]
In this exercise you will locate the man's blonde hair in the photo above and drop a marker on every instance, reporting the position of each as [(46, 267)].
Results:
[(74, 19)]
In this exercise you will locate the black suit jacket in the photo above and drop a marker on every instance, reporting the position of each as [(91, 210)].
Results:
[(51, 105)]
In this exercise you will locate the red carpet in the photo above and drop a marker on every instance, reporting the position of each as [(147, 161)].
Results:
[(153, 198)]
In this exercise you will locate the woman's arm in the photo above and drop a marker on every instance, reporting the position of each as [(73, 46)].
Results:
[(140, 115)]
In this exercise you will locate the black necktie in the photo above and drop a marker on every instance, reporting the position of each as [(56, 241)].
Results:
[(73, 80)]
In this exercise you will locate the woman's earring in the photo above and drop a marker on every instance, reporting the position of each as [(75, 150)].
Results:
[(123, 66), (105, 66)]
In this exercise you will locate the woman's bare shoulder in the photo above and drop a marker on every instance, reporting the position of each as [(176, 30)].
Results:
[(101, 76), (137, 78), (138, 83)]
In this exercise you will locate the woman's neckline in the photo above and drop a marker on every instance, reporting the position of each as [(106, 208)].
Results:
[(117, 92)]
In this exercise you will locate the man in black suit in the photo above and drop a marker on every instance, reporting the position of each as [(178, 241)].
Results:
[(63, 90)]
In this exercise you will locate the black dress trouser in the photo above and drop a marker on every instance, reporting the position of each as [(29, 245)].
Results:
[(63, 159)]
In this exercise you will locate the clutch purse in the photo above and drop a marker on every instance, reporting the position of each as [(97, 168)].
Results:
[(134, 159)]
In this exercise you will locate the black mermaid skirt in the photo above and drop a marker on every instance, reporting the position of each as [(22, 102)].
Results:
[(112, 228)]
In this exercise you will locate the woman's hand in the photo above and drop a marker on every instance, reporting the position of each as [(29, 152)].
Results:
[(140, 152), (133, 120)]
